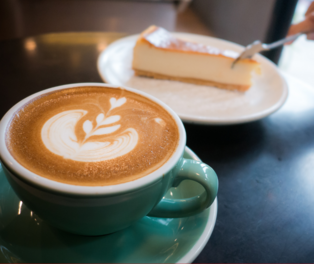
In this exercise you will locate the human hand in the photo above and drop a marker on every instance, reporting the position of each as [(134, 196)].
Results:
[(307, 25)]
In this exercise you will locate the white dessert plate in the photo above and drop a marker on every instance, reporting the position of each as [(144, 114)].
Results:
[(197, 103)]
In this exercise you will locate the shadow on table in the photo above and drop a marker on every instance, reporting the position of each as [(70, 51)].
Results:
[(215, 144)]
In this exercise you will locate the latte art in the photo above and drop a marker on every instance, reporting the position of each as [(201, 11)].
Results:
[(92, 136), (58, 135)]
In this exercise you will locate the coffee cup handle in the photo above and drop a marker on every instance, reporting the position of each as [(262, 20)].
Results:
[(195, 171)]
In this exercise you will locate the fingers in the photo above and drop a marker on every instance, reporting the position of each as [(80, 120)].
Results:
[(307, 25), (296, 28), (310, 9), (310, 36), (310, 17)]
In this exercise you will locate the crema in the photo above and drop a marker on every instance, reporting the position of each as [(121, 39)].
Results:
[(92, 136)]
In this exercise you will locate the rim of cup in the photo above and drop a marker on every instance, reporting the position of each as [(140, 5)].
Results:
[(56, 186)]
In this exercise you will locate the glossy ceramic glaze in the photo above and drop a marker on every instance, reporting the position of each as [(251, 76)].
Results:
[(24, 237)]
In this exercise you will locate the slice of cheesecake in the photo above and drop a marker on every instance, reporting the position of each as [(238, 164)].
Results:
[(159, 55)]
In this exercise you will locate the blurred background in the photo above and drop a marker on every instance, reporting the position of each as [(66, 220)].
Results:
[(240, 21)]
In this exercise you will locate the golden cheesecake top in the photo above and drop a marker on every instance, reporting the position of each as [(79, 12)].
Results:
[(162, 39)]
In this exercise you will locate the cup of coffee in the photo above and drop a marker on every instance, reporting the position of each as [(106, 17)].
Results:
[(92, 158)]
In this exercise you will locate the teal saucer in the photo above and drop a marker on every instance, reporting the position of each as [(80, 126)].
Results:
[(24, 237)]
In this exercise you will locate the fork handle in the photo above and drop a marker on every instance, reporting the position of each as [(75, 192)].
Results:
[(281, 42)]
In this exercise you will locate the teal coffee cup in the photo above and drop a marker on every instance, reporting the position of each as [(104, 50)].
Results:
[(99, 210)]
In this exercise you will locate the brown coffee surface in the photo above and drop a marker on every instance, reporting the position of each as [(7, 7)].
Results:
[(92, 136)]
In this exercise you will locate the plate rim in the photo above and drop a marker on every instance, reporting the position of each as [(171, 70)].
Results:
[(205, 120)]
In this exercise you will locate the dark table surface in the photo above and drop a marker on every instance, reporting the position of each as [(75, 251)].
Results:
[(265, 168)]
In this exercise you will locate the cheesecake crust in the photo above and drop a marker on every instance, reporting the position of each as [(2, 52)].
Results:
[(240, 88)]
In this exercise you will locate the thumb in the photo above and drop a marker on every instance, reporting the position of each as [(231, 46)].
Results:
[(307, 25)]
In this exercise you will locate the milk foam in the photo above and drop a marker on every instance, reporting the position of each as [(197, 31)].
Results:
[(92, 136), (58, 135)]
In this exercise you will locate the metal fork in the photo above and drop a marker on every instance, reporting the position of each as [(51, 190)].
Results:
[(258, 46)]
